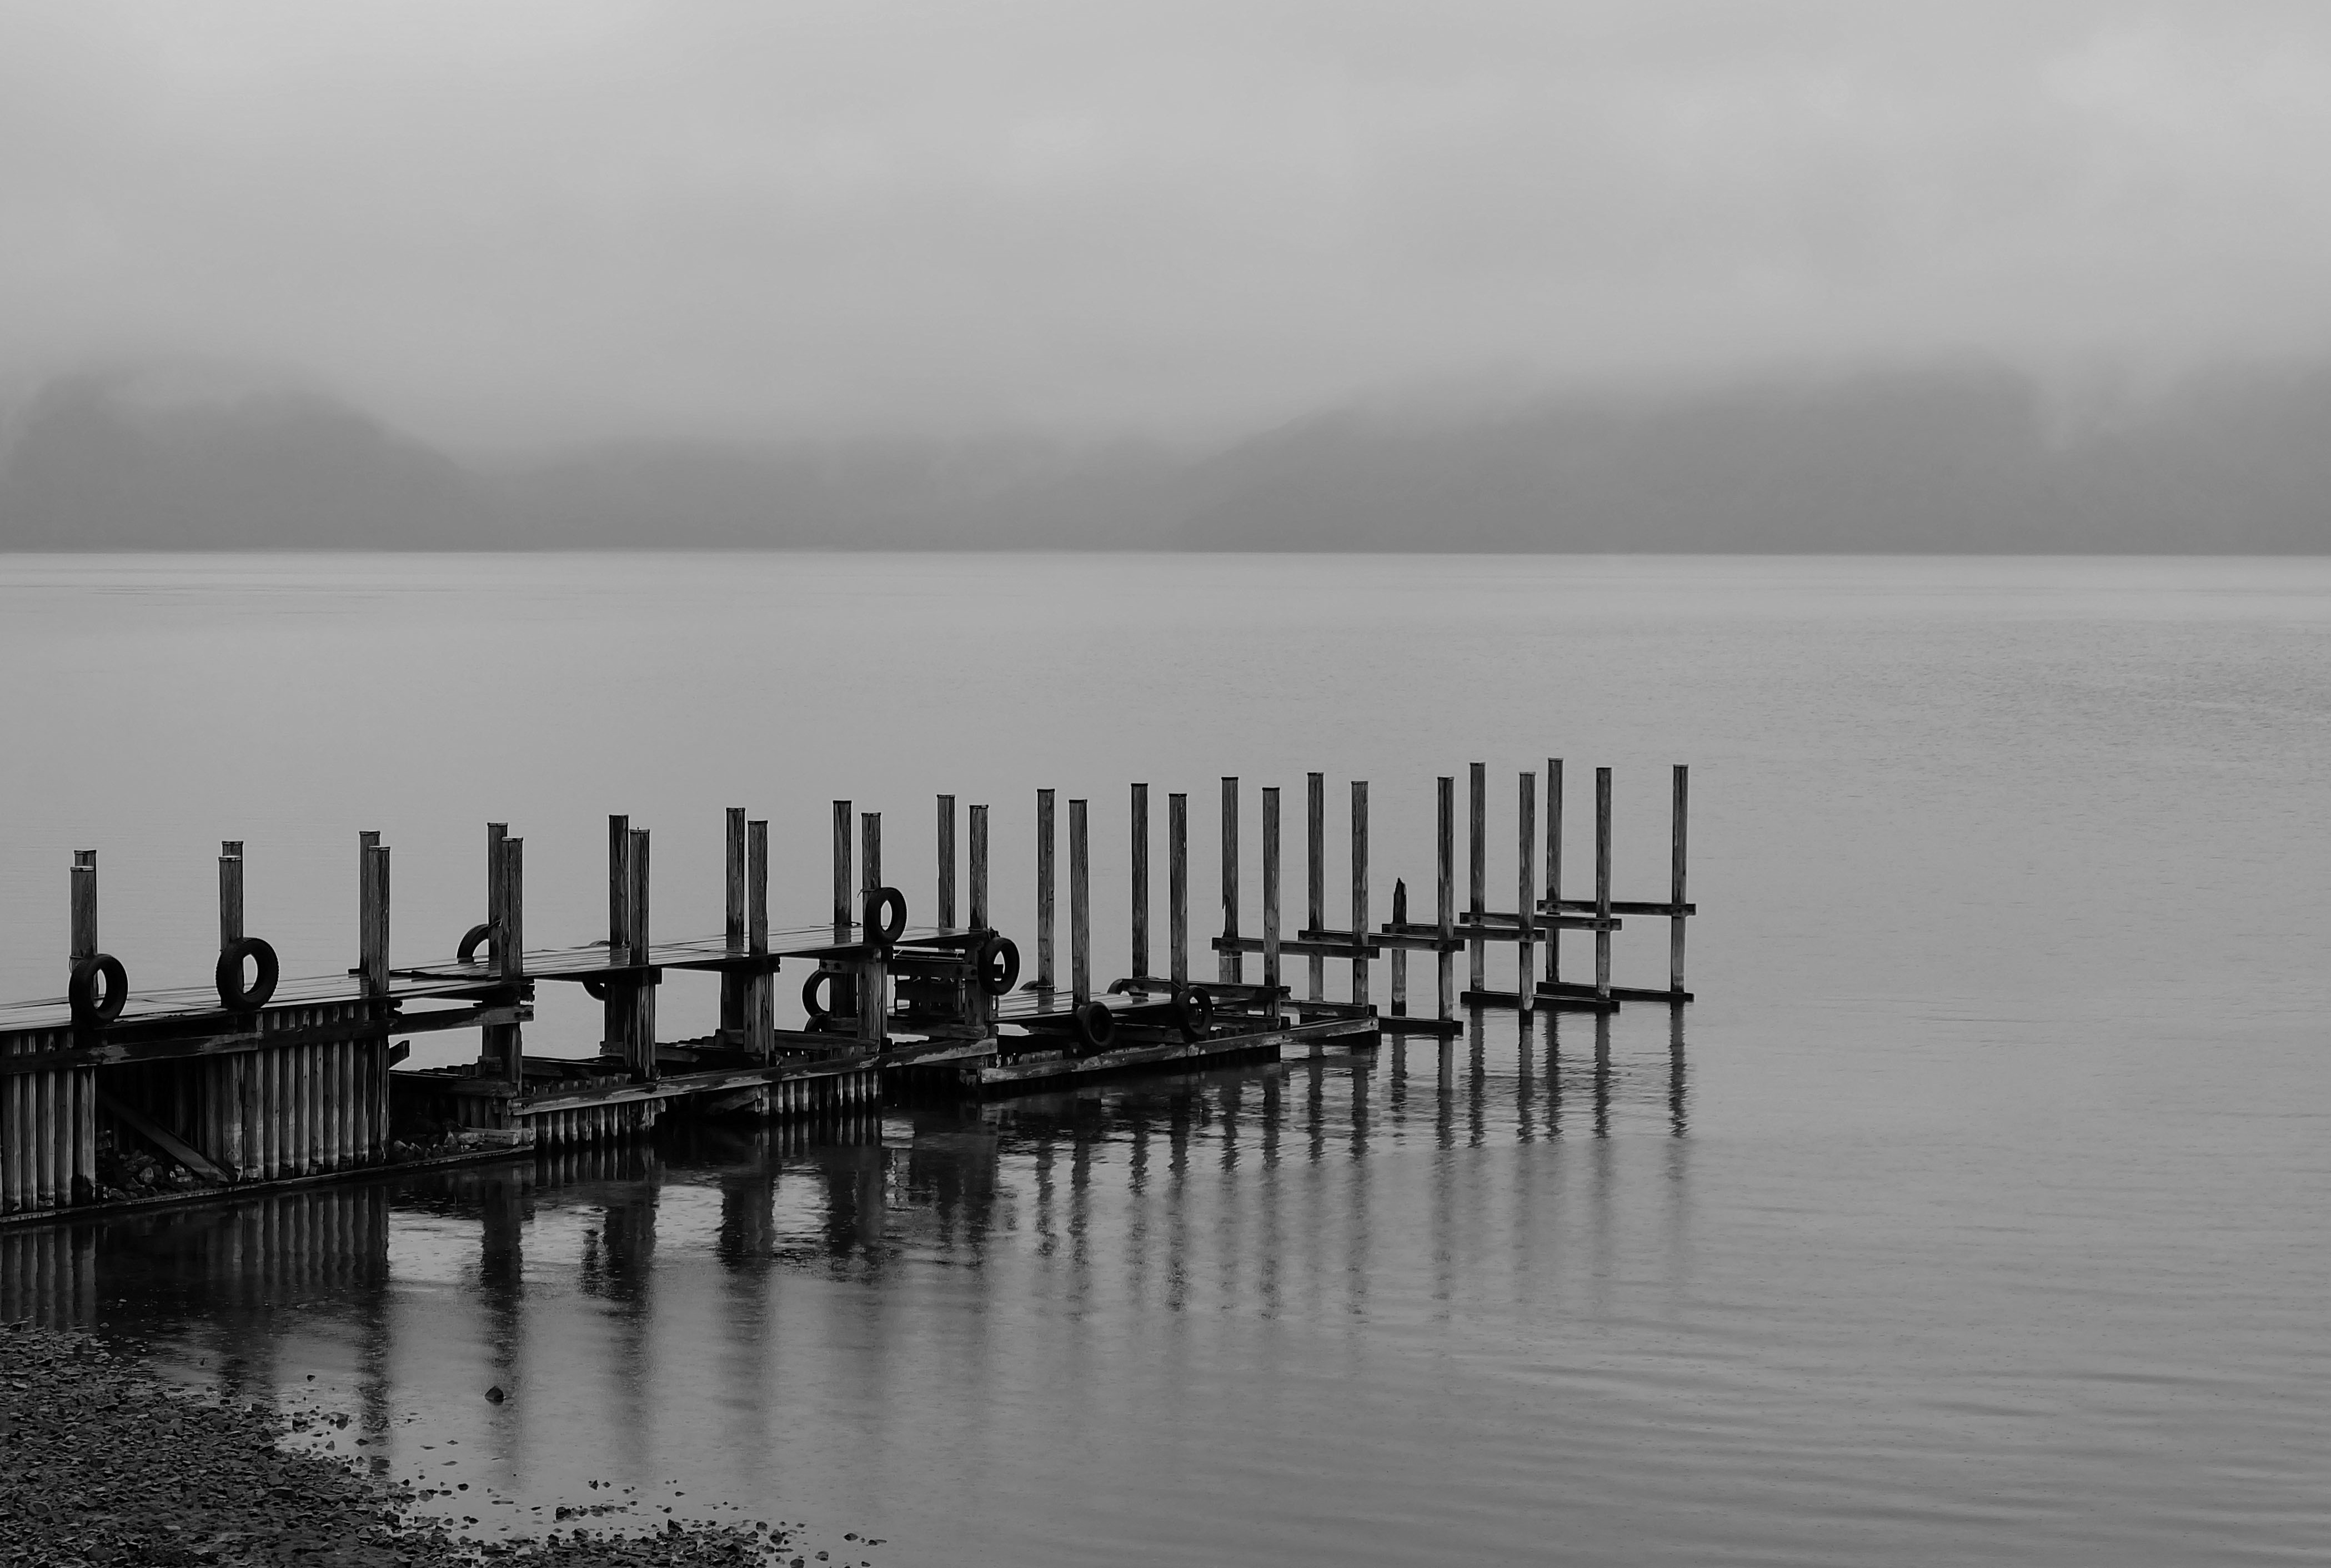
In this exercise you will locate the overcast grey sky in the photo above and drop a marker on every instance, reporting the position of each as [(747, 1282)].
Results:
[(530, 222)]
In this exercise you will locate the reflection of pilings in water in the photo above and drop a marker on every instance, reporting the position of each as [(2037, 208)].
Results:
[(503, 1214), (1601, 1074), (1268, 1283), (48, 1275), (1080, 1200), (1552, 1021), (1677, 1126), (1178, 1118), (1229, 1232), (1525, 1076), (1361, 1069), (618, 1266), (1477, 1090), (1315, 1183)]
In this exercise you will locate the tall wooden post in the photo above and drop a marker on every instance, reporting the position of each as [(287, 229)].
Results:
[(1399, 955), (505, 1043), (946, 913), (1139, 830), (1553, 867), (639, 943), (1677, 813), (1230, 966), (1046, 977), (844, 917), (1445, 857), (874, 974), (735, 986), (1476, 974), (1360, 989), (1079, 906), (761, 990), (372, 912), (1315, 844), (1525, 896), (83, 938), (1177, 888), (617, 1011), (230, 893), (1603, 881), (978, 912), (1270, 899)]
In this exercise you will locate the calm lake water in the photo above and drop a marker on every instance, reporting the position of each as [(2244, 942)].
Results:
[(1978, 1210)]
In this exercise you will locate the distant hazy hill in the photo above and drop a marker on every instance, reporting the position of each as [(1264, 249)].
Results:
[(1940, 460)]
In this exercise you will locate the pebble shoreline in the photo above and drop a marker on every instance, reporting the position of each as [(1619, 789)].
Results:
[(101, 1463)]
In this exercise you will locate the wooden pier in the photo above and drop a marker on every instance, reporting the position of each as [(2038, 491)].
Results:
[(112, 1095)]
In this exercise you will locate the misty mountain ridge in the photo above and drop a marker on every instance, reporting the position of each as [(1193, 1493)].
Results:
[(1942, 458)]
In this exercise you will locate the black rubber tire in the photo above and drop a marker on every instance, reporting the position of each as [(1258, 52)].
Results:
[(1096, 1025), (809, 1004), (89, 1008), (232, 993), (597, 990), (886, 916), (479, 936), (999, 965), (1194, 1010)]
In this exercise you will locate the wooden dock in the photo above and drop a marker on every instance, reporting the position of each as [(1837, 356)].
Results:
[(113, 1096)]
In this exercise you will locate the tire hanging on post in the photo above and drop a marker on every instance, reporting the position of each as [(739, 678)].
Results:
[(91, 1006), (232, 993)]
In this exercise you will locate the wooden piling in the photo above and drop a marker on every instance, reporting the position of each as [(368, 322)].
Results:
[(1139, 830), (1271, 900), (978, 911), (1177, 888), (1315, 908), (638, 944), (1079, 906), (844, 917), (373, 913), (84, 935), (1476, 974), (1230, 966), (1360, 991), (617, 1011), (945, 914), (761, 994), (1045, 974), (1553, 867), (1399, 955), (1603, 882), (1677, 814), (735, 987), (510, 957), (1445, 856), (873, 978), (230, 893), (1526, 894)]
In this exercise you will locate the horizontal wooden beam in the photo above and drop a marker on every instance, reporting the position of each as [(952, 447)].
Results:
[(1170, 1051), (112, 1053), (1618, 906)]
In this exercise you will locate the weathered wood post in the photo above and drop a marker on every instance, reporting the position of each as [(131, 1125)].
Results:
[(873, 974), (845, 917), (230, 893), (1271, 900), (1676, 812), (82, 939), (736, 986), (1525, 896), (618, 1010), (1554, 868), (372, 912), (945, 915), (1080, 906), (1445, 856), (506, 1042), (1399, 955), (639, 945), (1476, 975), (978, 911), (1360, 989), (1315, 910), (1230, 966), (1046, 976), (1177, 888), (1603, 883), (1139, 830), (761, 990)]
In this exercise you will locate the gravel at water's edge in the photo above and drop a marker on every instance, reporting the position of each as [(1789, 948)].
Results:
[(102, 1463)]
